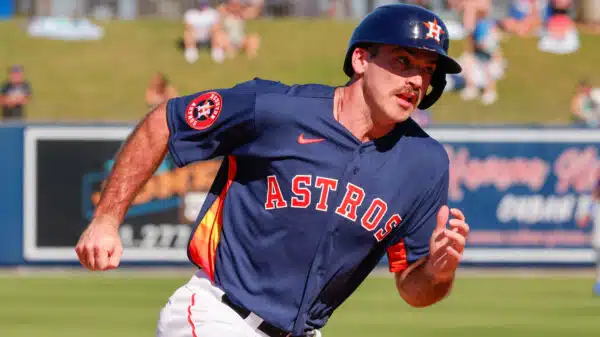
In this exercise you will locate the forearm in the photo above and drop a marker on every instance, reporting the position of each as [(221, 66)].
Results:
[(135, 163), (9, 101), (419, 288), (575, 106)]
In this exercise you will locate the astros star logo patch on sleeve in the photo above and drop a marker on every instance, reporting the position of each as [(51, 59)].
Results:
[(203, 111)]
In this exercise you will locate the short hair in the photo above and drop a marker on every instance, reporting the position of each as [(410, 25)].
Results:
[(372, 48), (15, 69)]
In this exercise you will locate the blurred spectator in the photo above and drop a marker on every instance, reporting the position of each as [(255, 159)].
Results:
[(234, 14), (524, 17), (15, 94), (159, 90), (483, 63), (202, 31), (585, 105), (558, 7), (453, 17), (559, 33), (469, 10)]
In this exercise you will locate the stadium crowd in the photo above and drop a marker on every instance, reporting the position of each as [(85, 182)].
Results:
[(222, 30), (219, 28)]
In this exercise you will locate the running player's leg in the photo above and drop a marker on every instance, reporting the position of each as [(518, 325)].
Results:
[(196, 310)]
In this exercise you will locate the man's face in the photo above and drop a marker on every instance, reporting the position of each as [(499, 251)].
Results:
[(16, 77), (396, 80), (585, 88)]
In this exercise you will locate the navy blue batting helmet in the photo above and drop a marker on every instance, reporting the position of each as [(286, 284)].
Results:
[(407, 26)]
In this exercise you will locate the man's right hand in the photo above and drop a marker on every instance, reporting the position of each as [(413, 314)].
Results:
[(99, 247)]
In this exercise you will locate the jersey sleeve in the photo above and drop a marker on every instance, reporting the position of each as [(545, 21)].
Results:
[(413, 243), (211, 123)]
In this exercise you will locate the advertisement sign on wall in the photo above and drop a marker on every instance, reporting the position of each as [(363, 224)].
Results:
[(65, 169), (521, 189)]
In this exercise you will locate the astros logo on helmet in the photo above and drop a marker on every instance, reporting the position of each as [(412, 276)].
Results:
[(434, 30)]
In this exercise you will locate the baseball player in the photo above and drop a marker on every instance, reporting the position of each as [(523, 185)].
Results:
[(317, 184)]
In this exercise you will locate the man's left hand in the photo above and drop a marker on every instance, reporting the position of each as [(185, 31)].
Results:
[(446, 245)]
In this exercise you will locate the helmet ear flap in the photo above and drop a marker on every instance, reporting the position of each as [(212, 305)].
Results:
[(438, 83)]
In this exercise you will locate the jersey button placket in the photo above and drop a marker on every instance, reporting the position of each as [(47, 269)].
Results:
[(318, 270), (361, 152)]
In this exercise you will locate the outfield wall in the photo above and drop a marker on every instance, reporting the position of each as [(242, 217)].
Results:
[(522, 191)]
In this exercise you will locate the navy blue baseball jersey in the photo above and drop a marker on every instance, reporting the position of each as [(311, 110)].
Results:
[(301, 210)]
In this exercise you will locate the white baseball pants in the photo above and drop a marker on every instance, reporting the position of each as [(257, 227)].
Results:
[(196, 310)]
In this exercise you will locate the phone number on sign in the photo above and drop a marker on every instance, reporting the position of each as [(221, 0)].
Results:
[(155, 235)]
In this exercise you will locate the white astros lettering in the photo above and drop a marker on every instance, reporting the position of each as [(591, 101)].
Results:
[(354, 197)]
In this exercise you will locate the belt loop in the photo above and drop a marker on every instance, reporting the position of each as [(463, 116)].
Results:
[(253, 320)]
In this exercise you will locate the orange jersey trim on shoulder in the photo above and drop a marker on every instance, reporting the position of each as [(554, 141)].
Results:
[(397, 257), (206, 238)]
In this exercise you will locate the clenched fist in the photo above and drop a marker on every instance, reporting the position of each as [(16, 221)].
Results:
[(99, 247)]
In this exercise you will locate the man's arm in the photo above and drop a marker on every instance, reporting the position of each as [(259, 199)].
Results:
[(576, 106), (169, 127), (253, 10), (135, 163), (419, 287), (99, 247), (430, 279), (22, 99), (3, 91)]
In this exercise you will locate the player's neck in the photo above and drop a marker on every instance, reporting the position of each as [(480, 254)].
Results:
[(352, 112)]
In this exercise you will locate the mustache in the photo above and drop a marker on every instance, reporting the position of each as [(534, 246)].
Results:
[(407, 90)]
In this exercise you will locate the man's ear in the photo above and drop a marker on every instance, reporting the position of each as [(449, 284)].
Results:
[(360, 60)]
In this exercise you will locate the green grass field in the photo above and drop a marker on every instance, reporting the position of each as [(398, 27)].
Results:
[(99, 306), (105, 80)]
